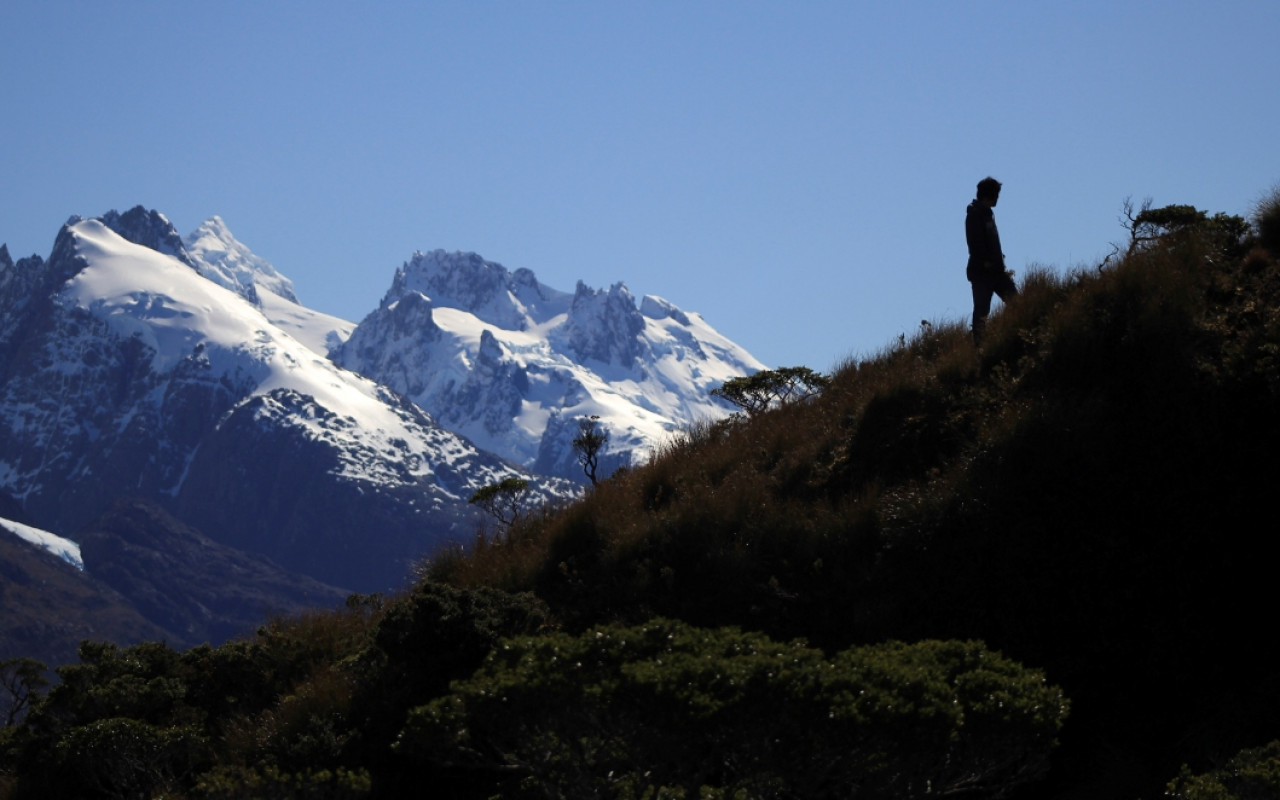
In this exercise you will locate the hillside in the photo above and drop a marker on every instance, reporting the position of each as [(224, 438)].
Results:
[(144, 576), (1086, 494), (50, 603)]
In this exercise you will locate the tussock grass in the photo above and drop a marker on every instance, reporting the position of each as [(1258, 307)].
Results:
[(1266, 220)]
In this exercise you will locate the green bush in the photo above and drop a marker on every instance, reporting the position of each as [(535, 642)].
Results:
[(1177, 225), (306, 708), (433, 635), (113, 757), (116, 725), (270, 783), (669, 710), (119, 757), (1250, 775)]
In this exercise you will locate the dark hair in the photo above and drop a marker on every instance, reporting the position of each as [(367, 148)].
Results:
[(988, 187)]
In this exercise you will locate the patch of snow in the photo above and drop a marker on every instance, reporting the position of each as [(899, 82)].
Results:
[(64, 549), (318, 331)]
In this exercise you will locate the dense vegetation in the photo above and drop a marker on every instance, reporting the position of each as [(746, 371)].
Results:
[(1081, 503)]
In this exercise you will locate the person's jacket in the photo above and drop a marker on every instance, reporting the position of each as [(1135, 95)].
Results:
[(985, 255)]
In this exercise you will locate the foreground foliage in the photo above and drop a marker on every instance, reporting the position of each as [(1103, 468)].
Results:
[(1253, 774), (309, 707), (668, 710), (361, 704)]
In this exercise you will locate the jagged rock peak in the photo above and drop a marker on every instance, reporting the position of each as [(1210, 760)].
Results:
[(386, 341), (223, 259), (7, 267), (466, 281), (147, 228), (9, 271), (604, 325)]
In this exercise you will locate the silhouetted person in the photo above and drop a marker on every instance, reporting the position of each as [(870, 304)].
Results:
[(986, 270)]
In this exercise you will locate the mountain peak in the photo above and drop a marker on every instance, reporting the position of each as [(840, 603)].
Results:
[(604, 326), (223, 259), (149, 229), (466, 281)]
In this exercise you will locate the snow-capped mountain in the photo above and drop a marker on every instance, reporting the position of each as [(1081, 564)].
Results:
[(134, 364), (514, 364)]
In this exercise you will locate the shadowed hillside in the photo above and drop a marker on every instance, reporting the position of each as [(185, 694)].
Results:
[(1088, 493), (1078, 508)]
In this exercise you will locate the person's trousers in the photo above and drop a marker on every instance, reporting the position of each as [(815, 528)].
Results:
[(984, 286)]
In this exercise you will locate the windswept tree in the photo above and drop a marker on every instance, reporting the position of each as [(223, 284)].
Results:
[(502, 500), (756, 393), (590, 440), (1150, 226)]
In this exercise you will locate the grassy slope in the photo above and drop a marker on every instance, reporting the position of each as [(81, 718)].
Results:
[(1088, 493)]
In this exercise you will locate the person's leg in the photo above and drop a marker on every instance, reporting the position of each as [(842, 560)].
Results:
[(1005, 287), (982, 292)]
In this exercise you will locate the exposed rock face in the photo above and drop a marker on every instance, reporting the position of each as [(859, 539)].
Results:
[(85, 416), (286, 497), (604, 326), (151, 229)]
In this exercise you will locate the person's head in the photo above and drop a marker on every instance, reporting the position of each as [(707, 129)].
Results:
[(989, 190)]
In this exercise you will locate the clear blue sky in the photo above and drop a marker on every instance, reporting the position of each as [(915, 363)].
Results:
[(795, 171)]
